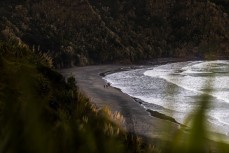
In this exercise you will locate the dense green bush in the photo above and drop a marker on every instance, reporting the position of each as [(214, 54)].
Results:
[(83, 32), (41, 112)]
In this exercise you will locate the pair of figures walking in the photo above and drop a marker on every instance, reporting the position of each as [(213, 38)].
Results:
[(107, 85)]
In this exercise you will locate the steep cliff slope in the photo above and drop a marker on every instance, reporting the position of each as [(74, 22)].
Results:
[(87, 32)]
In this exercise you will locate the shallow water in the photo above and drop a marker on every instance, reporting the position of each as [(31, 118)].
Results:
[(175, 89)]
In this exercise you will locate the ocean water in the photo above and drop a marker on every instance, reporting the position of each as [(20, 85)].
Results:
[(175, 89)]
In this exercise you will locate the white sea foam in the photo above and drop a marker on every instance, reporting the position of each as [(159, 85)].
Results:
[(191, 78), (152, 85)]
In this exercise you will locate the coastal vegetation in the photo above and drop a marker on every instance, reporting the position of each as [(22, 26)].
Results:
[(41, 111), (82, 32)]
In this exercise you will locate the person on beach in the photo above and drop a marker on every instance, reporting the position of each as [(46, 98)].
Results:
[(107, 85)]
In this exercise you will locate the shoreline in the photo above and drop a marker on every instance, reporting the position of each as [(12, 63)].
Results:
[(213, 135), (149, 124), (156, 113), (137, 119), (139, 101), (151, 112)]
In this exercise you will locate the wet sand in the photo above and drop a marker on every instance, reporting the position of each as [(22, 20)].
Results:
[(137, 119)]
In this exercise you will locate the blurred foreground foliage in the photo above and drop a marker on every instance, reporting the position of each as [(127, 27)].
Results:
[(42, 112)]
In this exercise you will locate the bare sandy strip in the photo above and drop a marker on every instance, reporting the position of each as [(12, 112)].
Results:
[(137, 119)]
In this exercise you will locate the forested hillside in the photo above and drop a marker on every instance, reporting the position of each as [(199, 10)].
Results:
[(41, 112), (83, 32)]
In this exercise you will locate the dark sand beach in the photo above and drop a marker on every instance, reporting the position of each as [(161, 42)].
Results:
[(137, 119)]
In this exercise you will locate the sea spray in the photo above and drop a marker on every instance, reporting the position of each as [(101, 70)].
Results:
[(152, 85)]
